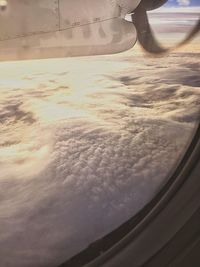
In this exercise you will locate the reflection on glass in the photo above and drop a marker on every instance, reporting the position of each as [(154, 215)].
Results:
[(85, 144)]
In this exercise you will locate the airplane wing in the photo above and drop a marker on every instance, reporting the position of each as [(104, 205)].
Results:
[(63, 28)]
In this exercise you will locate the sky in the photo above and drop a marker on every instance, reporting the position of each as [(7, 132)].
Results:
[(183, 3)]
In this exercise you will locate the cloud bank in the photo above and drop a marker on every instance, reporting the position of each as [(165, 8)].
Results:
[(85, 144)]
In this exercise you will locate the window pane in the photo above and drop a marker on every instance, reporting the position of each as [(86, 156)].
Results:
[(86, 143)]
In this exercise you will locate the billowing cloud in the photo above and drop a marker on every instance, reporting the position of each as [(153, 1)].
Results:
[(93, 140)]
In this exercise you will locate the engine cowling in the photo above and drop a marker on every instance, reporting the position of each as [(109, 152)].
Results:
[(127, 6)]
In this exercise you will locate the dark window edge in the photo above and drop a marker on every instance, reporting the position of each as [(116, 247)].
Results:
[(103, 249)]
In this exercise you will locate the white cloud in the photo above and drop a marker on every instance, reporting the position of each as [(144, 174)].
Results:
[(184, 2)]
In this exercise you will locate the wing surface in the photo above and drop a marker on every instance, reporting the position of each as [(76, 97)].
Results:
[(63, 28)]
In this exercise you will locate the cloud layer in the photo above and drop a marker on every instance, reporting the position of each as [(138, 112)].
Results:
[(85, 144)]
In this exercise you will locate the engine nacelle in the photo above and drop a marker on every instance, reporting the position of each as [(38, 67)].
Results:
[(127, 6)]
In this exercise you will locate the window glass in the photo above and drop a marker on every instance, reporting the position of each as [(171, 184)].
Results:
[(86, 142)]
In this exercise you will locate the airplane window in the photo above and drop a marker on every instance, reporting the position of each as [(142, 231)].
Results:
[(87, 142)]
